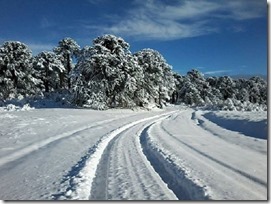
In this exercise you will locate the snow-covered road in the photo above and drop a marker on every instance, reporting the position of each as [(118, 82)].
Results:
[(222, 169), (176, 153)]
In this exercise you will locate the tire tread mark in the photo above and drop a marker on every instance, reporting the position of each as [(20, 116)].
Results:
[(255, 179)]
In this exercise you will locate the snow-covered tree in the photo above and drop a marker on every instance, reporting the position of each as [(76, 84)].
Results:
[(49, 69), (179, 81), (108, 75), (257, 90), (195, 89), (226, 85), (214, 96), (223, 92), (242, 94), (228, 105), (16, 70), (107, 69), (190, 94), (159, 82), (68, 49), (200, 82)]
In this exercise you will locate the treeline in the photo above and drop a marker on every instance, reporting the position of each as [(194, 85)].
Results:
[(222, 93), (107, 75)]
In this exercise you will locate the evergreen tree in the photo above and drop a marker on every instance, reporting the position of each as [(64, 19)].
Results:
[(179, 81), (223, 92), (67, 49), (107, 70), (257, 90), (158, 83), (16, 70), (226, 85), (49, 69), (107, 75)]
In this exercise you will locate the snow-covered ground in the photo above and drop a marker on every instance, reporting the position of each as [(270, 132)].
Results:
[(175, 153)]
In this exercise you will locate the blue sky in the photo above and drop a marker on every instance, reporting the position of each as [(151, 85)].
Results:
[(218, 37)]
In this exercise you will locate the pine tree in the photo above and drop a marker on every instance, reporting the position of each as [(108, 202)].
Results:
[(108, 70), (49, 69), (158, 83), (16, 70), (257, 90), (226, 85), (68, 49), (179, 81)]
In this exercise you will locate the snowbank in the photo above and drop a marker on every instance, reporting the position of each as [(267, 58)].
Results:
[(12, 107), (253, 124)]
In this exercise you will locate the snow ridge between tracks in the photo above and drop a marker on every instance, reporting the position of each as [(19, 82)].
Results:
[(173, 175), (81, 183)]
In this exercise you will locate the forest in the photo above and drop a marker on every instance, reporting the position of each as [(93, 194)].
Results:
[(107, 74)]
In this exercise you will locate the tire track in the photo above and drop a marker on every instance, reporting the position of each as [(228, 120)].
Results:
[(81, 181), (34, 147), (255, 179), (130, 175), (174, 176), (208, 171), (238, 171), (101, 179), (113, 159)]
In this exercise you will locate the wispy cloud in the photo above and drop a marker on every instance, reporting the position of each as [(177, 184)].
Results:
[(245, 9), (215, 72), (163, 29), (157, 20), (95, 1)]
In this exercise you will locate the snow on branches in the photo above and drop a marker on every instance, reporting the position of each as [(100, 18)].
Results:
[(15, 70), (107, 68), (107, 75), (49, 69), (223, 93)]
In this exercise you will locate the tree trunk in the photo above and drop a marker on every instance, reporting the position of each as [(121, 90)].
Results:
[(177, 96), (173, 97), (14, 78), (160, 98), (46, 82), (69, 68), (61, 77)]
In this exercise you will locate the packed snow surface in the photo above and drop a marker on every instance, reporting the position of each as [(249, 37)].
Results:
[(174, 153)]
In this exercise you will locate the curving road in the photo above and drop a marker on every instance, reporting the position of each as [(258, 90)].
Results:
[(164, 155), (125, 173), (173, 157)]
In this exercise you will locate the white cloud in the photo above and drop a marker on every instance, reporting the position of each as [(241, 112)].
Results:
[(217, 72), (156, 20), (246, 9), (162, 29), (187, 10)]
